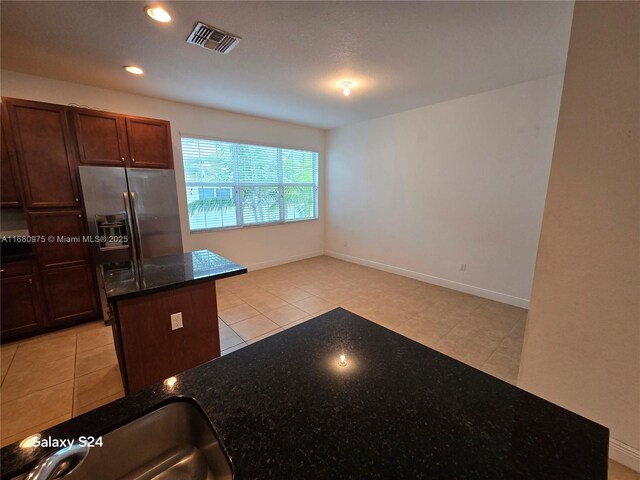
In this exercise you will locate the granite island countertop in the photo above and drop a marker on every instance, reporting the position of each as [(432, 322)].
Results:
[(157, 274), (283, 408)]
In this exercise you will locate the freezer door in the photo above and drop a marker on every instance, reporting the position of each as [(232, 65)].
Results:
[(154, 201), (104, 191)]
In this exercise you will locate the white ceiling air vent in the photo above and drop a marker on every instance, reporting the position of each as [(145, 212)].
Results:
[(212, 38)]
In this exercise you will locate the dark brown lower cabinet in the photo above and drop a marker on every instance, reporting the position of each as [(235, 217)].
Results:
[(70, 293), (21, 305)]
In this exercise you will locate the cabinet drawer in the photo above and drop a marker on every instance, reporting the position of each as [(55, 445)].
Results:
[(12, 269)]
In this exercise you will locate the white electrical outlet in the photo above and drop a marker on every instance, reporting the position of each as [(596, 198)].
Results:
[(176, 321)]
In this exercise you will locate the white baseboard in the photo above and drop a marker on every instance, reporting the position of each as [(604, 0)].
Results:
[(624, 454), (280, 261), (442, 282)]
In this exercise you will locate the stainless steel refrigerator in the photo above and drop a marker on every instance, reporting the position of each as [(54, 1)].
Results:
[(134, 214)]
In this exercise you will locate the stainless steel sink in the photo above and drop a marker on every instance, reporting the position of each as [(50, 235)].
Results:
[(174, 442)]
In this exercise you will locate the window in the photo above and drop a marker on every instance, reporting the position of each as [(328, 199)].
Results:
[(235, 185)]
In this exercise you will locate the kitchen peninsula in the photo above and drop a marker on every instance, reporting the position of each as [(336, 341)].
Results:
[(165, 317), (290, 407)]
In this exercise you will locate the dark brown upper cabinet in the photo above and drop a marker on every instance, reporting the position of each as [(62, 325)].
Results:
[(111, 139), (149, 143), (9, 180), (45, 153), (101, 137)]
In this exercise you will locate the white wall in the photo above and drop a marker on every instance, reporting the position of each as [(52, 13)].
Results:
[(582, 343), (255, 246), (464, 181)]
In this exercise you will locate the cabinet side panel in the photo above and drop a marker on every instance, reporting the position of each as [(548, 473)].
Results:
[(153, 351)]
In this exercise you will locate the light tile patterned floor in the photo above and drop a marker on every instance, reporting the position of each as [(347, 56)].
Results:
[(482, 333), (49, 379), (53, 377)]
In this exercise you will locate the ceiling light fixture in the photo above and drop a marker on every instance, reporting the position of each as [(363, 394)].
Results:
[(133, 69), (342, 360), (159, 14), (347, 88)]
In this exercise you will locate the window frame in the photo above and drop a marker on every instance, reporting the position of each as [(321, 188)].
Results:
[(236, 185)]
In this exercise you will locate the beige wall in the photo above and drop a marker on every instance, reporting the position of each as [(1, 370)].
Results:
[(254, 247), (461, 182), (582, 343)]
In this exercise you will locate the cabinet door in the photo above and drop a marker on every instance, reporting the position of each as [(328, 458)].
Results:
[(20, 306), (149, 143), (9, 192), (101, 137), (61, 225), (44, 152), (70, 293)]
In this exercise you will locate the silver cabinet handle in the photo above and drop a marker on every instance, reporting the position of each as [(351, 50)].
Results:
[(133, 160), (30, 281), (77, 199), (130, 228), (122, 159), (136, 223), (79, 215)]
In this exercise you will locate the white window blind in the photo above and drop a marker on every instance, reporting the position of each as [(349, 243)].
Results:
[(234, 185)]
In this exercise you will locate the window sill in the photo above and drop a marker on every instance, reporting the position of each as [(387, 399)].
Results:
[(269, 224)]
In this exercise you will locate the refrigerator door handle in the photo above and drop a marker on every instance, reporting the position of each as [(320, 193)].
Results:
[(132, 234), (134, 210)]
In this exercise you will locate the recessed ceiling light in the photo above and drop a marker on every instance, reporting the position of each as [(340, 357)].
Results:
[(159, 14), (133, 69), (342, 360), (346, 88)]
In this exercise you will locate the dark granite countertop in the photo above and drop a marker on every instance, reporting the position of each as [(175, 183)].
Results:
[(284, 408), (166, 273), (16, 258), (12, 251)]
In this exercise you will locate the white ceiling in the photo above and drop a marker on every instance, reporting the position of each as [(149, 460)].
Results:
[(399, 55)]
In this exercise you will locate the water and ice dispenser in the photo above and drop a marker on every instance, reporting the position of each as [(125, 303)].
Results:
[(112, 231)]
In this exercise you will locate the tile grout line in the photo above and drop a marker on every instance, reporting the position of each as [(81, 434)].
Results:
[(39, 389), (501, 342), (75, 363), (279, 326), (36, 391), (10, 363), (76, 377)]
